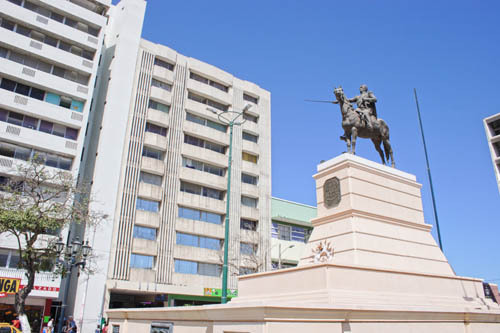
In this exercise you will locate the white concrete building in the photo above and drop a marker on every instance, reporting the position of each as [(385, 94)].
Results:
[(49, 58), (161, 176), (492, 127)]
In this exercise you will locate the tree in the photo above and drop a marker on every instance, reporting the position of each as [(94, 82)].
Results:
[(37, 203)]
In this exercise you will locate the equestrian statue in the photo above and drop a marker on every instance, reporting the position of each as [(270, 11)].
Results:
[(362, 122)]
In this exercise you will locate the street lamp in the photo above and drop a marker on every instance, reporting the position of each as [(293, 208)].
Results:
[(281, 253), (229, 118), (75, 255)]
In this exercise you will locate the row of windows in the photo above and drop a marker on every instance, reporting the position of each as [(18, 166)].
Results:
[(57, 17), (22, 89), (39, 64), (199, 241), (202, 166), (200, 215), (202, 190), (204, 144), (206, 122), (207, 101), (212, 83), (198, 268), (288, 232), (164, 64), (495, 127), (37, 124), (46, 39), (158, 106), (161, 85), (90, 5), (25, 154), (152, 128)]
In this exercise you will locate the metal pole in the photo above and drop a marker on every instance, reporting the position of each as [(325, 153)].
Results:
[(279, 256), (429, 172), (226, 227)]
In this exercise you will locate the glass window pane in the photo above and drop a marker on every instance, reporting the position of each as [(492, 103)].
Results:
[(250, 137), (59, 130), (7, 149), (37, 93), (22, 153), (23, 89), (8, 84), (141, 261), (150, 178), (147, 205), (65, 163), (71, 133), (185, 267), (15, 118), (3, 114), (30, 122), (144, 233), (46, 126), (247, 201)]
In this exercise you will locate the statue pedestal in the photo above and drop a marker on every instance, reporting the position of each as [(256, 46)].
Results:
[(386, 275)]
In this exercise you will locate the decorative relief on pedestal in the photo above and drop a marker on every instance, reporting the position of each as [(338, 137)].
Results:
[(331, 192), (322, 252)]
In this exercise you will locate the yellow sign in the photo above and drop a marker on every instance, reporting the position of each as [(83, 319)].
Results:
[(9, 285)]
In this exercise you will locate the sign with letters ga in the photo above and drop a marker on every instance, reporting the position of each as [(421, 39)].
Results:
[(9, 285)]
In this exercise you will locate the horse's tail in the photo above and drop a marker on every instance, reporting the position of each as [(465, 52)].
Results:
[(384, 133)]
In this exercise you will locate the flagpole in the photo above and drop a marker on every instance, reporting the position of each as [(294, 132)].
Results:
[(428, 171)]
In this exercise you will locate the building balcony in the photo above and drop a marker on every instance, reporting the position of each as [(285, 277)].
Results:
[(40, 109), (252, 168), (251, 147), (45, 24), (203, 178), (38, 140), (152, 165), (155, 141), (142, 275), (159, 118), (206, 133), (161, 95), (148, 191), (192, 253), (144, 246), (75, 10), (250, 213), (200, 228), (147, 219), (201, 109), (250, 190), (251, 127), (204, 155), (47, 52), (210, 92), (201, 202), (163, 74), (39, 78)]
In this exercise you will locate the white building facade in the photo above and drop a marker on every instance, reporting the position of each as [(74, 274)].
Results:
[(161, 170), (49, 59), (492, 128)]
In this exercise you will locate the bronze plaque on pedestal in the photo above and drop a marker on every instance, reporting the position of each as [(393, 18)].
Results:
[(331, 192)]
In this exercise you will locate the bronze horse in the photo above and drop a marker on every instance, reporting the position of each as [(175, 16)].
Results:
[(355, 127)]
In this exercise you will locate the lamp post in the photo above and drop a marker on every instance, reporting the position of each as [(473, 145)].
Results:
[(229, 118), (281, 252), (75, 255)]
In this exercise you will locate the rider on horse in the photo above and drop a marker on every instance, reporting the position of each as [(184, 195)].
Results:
[(366, 106)]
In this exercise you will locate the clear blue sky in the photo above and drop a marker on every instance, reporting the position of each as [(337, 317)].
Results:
[(448, 50)]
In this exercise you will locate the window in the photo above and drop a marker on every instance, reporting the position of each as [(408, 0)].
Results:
[(159, 106), (250, 137), (248, 179), (200, 215), (162, 327), (209, 102), (23, 153), (249, 202), (9, 258), (147, 205), (249, 98), (248, 249), (193, 164), (164, 64), (247, 270), (161, 85), (141, 261), (152, 128), (144, 233), (202, 190), (204, 80), (251, 118), (200, 268), (249, 157), (149, 178), (204, 144), (152, 153), (288, 232), (246, 224), (206, 122), (495, 127), (199, 241)]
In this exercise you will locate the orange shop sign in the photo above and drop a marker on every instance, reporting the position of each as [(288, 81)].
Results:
[(9, 285)]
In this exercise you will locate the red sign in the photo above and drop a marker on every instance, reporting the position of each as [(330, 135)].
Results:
[(3, 295), (41, 288)]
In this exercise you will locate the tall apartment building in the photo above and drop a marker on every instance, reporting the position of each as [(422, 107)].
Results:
[(161, 168), (49, 56), (492, 128)]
